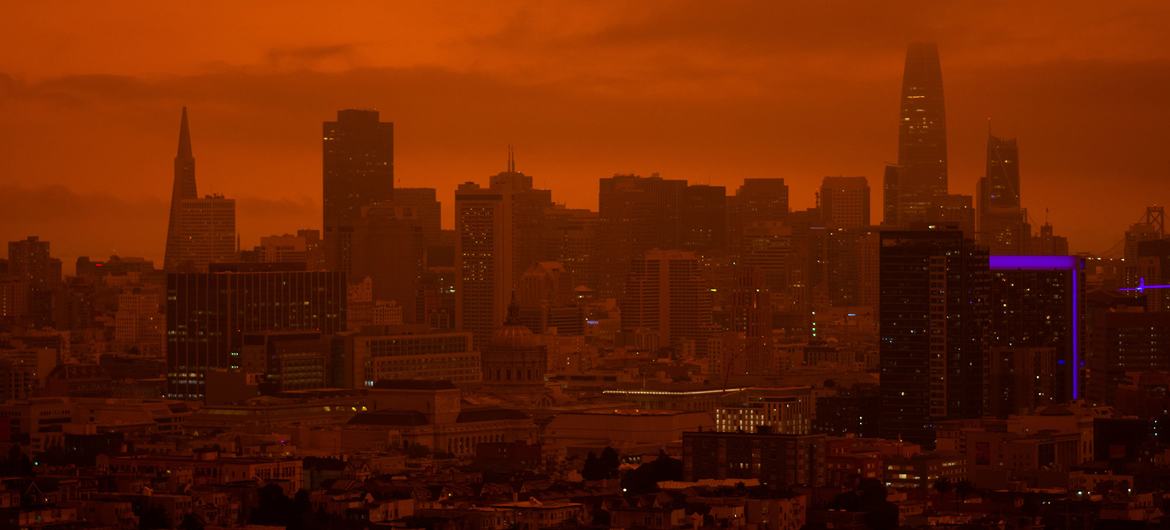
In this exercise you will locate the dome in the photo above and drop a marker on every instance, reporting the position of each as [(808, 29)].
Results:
[(513, 335)]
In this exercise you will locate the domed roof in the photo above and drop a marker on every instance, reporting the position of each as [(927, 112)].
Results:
[(513, 333)]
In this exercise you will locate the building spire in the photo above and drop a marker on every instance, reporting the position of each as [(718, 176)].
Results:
[(184, 138), (513, 312), (511, 159)]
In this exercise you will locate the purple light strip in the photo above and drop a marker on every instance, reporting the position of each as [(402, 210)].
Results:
[(1142, 286), (1073, 265)]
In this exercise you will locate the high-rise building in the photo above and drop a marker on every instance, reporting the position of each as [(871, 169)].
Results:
[(483, 259), (1035, 331), (421, 205), (756, 201), (139, 323), (954, 209), (388, 246), (667, 295), (205, 229), (528, 207), (302, 247), (844, 203), (751, 315), (570, 238), (358, 170), (1002, 226), (183, 188), (851, 267), (201, 231), (921, 172), (545, 297), (208, 313), (636, 214), (35, 275), (704, 225), (933, 314)]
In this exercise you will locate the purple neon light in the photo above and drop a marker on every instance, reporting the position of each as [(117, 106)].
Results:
[(1142, 286), (1073, 264), (1033, 263)]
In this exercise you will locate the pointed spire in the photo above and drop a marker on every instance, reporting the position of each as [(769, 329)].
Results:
[(513, 312), (511, 159), (184, 138)]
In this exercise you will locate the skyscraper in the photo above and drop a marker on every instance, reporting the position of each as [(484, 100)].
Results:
[(206, 233), (1002, 225), (182, 188), (758, 200), (1036, 304), (921, 172), (36, 275), (933, 323), (208, 314), (636, 214), (844, 202), (358, 170), (528, 207), (666, 294), (483, 259), (388, 246), (704, 226), (200, 231)]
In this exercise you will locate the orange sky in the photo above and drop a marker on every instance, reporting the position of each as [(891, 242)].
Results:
[(706, 91)]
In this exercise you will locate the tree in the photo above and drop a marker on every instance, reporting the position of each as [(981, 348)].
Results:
[(592, 468), (610, 461), (646, 477), (191, 522), (152, 517), (943, 485), (274, 507), (964, 489)]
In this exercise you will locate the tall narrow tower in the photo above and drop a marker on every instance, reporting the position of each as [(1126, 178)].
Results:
[(358, 170), (182, 188), (922, 136)]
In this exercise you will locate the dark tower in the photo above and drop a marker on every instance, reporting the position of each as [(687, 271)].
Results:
[(358, 170), (182, 188), (1002, 225), (922, 136), (933, 311)]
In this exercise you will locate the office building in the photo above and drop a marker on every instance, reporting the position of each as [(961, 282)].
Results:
[(358, 170), (1036, 310), (921, 172), (636, 214), (201, 231), (483, 259), (844, 203), (389, 247), (933, 323), (385, 353), (208, 314), (33, 278), (704, 225), (527, 206), (756, 201), (1003, 228), (666, 295)]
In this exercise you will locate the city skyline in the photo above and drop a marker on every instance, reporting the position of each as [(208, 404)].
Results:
[(585, 266), (1058, 100)]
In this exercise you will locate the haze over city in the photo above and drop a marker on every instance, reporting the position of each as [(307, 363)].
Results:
[(585, 266), (693, 90)]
